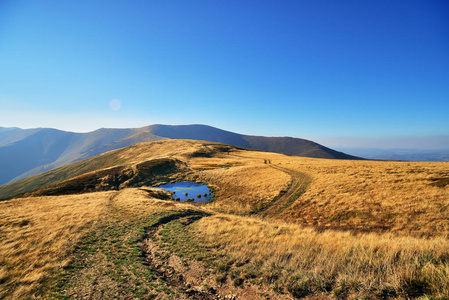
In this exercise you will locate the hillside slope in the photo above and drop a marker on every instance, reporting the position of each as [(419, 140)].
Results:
[(282, 226), (135, 165), (284, 145), (29, 152)]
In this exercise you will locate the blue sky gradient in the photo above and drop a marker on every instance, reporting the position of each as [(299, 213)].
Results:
[(311, 69)]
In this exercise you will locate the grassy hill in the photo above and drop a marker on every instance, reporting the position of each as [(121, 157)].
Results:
[(124, 164), (284, 145), (281, 227), (29, 152)]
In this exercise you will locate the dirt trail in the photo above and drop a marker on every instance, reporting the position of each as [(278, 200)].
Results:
[(297, 187), (189, 278), (170, 268)]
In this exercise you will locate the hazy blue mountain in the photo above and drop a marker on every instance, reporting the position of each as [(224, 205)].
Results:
[(32, 151), (29, 152), (400, 154)]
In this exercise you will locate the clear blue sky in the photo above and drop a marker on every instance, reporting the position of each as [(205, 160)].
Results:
[(283, 68)]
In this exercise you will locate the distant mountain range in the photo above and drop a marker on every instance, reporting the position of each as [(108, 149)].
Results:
[(27, 152), (408, 154)]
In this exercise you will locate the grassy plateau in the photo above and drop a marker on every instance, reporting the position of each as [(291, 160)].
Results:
[(280, 227)]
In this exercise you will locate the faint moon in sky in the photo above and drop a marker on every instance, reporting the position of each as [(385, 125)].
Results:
[(115, 104)]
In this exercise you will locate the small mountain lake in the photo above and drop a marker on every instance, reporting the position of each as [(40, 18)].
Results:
[(188, 191)]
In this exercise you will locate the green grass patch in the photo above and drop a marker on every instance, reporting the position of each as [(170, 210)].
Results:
[(177, 239), (108, 263)]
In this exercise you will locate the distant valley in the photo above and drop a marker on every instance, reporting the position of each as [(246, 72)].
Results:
[(27, 152), (399, 154)]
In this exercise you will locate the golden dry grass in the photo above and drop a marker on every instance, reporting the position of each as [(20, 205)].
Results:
[(369, 196), (373, 226), (361, 227), (381, 196), (246, 185), (127, 157), (397, 197), (37, 233), (403, 197), (360, 264)]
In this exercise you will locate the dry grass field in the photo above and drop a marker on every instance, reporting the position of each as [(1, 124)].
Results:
[(296, 227), (243, 185), (409, 198), (330, 263), (37, 233)]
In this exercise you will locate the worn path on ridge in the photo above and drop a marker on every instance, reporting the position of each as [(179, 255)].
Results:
[(297, 187)]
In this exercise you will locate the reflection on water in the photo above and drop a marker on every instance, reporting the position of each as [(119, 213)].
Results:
[(188, 191)]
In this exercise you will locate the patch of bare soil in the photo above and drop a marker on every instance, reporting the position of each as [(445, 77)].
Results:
[(190, 279)]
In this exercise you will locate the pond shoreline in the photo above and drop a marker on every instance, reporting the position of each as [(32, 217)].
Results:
[(188, 191)]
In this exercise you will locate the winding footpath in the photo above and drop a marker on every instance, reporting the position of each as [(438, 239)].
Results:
[(297, 187)]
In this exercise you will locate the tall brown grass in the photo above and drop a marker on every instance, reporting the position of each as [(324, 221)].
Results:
[(305, 261), (244, 188), (410, 198), (399, 197), (37, 233), (360, 227)]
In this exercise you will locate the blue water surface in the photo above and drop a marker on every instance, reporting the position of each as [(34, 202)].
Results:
[(192, 189)]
